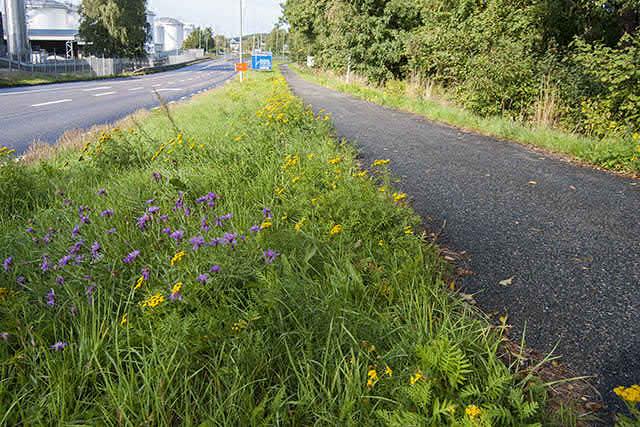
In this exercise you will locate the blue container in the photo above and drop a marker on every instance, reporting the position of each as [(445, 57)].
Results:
[(262, 61)]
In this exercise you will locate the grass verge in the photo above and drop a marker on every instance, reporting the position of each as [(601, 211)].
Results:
[(227, 262), (621, 155)]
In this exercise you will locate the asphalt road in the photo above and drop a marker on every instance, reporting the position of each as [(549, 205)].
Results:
[(43, 113), (568, 235)]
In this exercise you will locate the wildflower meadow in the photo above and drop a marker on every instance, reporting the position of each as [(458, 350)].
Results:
[(229, 262)]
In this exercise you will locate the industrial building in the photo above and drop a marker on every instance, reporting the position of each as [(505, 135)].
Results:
[(169, 34)]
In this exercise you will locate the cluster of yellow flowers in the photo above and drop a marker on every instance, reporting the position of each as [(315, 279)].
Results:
[(277, 108), (173, 143), (240, 325), (290, 161), (177, 258), (408, 230), (380, 162), (335, 160), (472, 411), (5, 151), (299, 224), (336, 229), (415, 378), (373, 378), (153, 301), (139, 282), (629, 394), (124, 320), (399, 197)]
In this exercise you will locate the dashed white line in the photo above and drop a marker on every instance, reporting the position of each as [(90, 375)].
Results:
[(52, 102), (156, 85), (96, 88), (104, 94), (170, 89), (133, 89)]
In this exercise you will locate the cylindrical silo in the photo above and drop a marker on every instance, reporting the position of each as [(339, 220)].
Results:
[(17, 43), (172, 33)]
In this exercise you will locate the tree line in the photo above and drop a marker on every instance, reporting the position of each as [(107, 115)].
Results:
[(579, 60)]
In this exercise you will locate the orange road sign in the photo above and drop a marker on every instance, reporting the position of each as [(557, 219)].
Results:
[(242, 66)]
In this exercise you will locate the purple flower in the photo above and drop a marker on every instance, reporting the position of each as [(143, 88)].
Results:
[(203, 278), (166, 230), (214, 242), (131, 257), (266, 212), (65, 260), (45, 263), (4, 336), (21, 280), (59, 346), (76, 231), (73, 250), (204, 226), (209, 198), (215, 269), (82, 210), (95, 250), (270, 256), (67, 202), (7, 263), (51, 298), (148, 202), (153, 209), (145, 273), (175, 296), (180, 202), (197, 242), (254, 228), (221, 219), (85, 219), (78, 260), (142, 221), (164, 218), (48, 237), (230, 239), (177, 235), (102, 192), (156, 176), (89, 290), (60, 280), (111, 231), (106, 213), (187, 211), (30, 230)]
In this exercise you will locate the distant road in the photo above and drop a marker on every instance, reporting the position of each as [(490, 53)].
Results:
[(43, 113)]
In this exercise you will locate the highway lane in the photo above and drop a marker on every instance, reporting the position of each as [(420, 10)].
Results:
[(44, 113)]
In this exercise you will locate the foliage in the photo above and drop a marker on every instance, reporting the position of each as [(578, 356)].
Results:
[(290, 287), (200, 38), (114, 27)]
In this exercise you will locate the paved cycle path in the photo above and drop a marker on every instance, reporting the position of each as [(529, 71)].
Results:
[(569, 236)]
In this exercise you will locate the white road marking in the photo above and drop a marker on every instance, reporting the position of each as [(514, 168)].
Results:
[(103, 94), (169, 89), (156, 85), (52, 102), (96, 88), (135, 88)]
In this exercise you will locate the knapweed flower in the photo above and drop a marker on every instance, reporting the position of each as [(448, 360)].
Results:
[(415, 378), (85, 219), (196, 242), (76, 231), (21, 280), (203, 278), (177, 258), (175, 292), (131, 257), (187, 211), (156, 176), (270, 256), (266, 213), (107, 213), (151, 210), (153, 301), (222, 218), (101, 192), (380, 162), (336, 229), (145, 273), (143, 220), (177, 235), (75, 248), (111, 231), (399, 197), (60, 280), (472, 411), (372, 378), (179, 205), (230, 239), (89, 290), (51, 298), (215, 269), (209, 199), (59, 346), (30, 230), (254, 228), (95, 250), (204, 225), (149, 201), (7, 263), (65, 260), (44, 266), (628, 394), (214, 242), (164, 218), (166, 230)]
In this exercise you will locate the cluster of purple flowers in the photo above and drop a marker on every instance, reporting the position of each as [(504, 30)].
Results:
[(209, 199), (131, 257)]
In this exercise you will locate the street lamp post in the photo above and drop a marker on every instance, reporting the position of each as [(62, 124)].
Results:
[(241, 35)]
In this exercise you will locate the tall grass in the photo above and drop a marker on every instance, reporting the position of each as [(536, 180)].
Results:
[(328, 308), (617, 154)]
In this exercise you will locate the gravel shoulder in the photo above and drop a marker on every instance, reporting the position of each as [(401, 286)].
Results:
[(568, 236)]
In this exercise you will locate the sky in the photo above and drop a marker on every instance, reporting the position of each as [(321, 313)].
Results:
[(222, 15)]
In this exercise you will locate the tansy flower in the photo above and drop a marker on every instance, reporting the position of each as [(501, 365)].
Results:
[(415, 378), (175, 292), (335, 160), (380, 162), (360, 174), (336, 229), (399, 197), (472, 411), (266, 224), (153, 301), (372, 378), (139, 282), (388, 371), (299, 225), (177, 258), (629, 394), (124, 320), (408, 230)]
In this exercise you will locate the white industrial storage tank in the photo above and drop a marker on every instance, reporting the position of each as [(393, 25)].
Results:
[(52, 15), (172, 33)]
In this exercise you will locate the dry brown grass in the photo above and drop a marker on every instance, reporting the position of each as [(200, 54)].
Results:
[(75, 139), (546, 108)]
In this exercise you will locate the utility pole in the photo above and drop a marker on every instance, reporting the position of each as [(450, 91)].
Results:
[(241, 35)]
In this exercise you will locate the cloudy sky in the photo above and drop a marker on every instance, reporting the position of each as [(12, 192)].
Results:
[(222, 15)]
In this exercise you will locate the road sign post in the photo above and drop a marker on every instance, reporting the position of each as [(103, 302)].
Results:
[(262, 61)]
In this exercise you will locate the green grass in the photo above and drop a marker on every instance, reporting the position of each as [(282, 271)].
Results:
[(19, 78), (292, 342), (622, 155)]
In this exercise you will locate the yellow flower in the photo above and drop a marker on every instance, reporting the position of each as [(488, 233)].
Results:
[(408, 230), (139, 282), (153, 301), (629, 394), (290, 161), (388, 371), (239, 325), (279, 191), (372, 378), (238, 138), (382, 189), (415, 378), (266, 224), (177, 258), (310, 156), (360, 174), (176, 288), (399, 197), (299, 225), (472, 411), (124, 319), (295, 179), (314, 201), (380, 242), (380, 162), (335, 160), (336, 229)]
